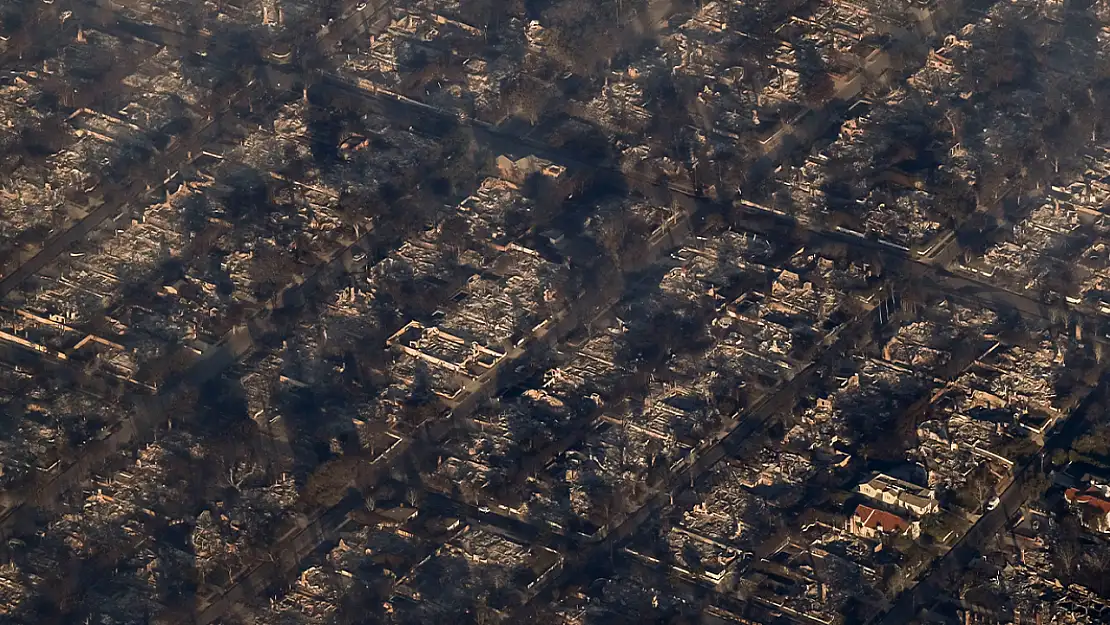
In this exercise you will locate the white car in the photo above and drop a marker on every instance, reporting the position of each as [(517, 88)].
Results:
[(993, 503)]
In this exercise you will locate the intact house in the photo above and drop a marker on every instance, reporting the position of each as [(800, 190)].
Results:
[(900, 494), (1093, 507), (871, 522)]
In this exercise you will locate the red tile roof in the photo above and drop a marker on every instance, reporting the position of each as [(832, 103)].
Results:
[(1091, 498), (880, 519)]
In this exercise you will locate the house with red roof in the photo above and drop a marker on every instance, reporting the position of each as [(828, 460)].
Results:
[(871, 522), (1093, 507)]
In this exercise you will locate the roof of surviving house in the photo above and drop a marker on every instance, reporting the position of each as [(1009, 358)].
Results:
[(1091, 498), (880, 519), (911, 493)]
